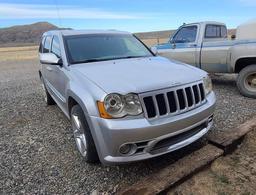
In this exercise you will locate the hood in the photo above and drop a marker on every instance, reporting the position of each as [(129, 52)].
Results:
[(138, 75)]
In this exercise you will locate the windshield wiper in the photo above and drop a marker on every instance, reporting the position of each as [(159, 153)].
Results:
[(89, 60), (126, 57), (106, 59)]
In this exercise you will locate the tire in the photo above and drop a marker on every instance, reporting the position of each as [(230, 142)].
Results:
[(47, 97), (246, 81), (82, 134)]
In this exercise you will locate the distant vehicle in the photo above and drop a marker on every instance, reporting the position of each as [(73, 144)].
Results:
[(125, 104), (206, 46)]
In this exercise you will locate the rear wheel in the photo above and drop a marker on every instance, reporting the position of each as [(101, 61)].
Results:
[(82, 135), (246, 81)]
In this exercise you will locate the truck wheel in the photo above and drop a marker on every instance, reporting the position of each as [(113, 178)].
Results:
[(47, 97), (82, 135), (246, 81)]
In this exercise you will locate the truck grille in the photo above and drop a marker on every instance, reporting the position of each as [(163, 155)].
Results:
[(173, 101)]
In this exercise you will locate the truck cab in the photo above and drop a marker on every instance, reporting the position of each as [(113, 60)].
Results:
[(199, 44)]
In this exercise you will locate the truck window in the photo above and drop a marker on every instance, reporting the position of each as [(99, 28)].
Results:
[(47, 44), (215, 31), (56, 46), (186, 34)]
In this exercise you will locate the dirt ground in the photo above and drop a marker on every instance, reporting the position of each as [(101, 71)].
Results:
[(228, 175)]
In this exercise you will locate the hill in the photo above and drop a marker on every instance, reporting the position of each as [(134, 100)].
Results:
[(24, 34)]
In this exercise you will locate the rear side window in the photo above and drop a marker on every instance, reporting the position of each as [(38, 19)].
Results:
[(186, 34), (47, 44), (215, 31), (41, 45), (56, 46)]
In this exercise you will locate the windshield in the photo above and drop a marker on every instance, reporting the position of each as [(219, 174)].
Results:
[(92, 48)]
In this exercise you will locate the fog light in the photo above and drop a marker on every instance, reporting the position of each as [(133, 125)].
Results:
[(127, 149)]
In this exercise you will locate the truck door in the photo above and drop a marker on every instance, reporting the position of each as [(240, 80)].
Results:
[(183, 46), (215, 49)]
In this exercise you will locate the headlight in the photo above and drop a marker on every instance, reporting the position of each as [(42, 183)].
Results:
[(114, 105), (132, 104), (207, 84), (117, 106)]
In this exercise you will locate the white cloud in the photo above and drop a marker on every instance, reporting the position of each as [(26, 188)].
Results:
[(43, 11)]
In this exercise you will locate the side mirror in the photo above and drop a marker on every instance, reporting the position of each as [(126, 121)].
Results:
[(233, 37), (154, 50), (50, 58)]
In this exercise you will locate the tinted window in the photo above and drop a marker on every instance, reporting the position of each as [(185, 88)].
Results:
[(215, 31), (186, 35), (41, 44), (85, 48), (56, 46), (47, 44), (224, 32)]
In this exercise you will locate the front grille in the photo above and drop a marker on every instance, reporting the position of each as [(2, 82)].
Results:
[(173, 101)]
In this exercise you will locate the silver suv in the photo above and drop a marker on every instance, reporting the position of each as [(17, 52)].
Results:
[(124, 102)]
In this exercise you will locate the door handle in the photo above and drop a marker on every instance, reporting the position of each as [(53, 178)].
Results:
[(192, 45), (49, 68)]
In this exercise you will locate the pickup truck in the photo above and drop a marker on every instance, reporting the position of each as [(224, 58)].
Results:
[(206, 46)]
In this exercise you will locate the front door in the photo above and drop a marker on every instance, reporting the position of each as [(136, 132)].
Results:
[(183, 46)]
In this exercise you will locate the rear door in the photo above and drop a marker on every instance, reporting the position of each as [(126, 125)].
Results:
[(183, 45), (58, 72), (46, 68)]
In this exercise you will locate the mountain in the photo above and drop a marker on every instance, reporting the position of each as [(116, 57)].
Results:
[(24, 34)]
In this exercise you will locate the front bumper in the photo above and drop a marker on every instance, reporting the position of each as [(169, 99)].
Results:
[(109, 135)]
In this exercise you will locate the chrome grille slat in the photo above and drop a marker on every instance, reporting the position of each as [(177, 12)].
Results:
[(199, 94), (156, 106), (185, 97), (177, 101), (193, 96), (166, 100), (167, 103)]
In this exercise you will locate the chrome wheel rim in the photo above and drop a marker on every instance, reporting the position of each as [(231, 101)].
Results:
[(79, 135), (250, 82)]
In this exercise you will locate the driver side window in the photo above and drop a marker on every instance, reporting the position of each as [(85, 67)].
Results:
[(186, 35)]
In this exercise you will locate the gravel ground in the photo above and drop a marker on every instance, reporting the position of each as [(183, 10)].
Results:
[(37, 150)]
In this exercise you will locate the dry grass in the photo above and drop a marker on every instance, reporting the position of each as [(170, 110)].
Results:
[(154, 41), (18, 53)]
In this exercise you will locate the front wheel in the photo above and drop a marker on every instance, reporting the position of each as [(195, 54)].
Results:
[(246, 81), (82, 135)]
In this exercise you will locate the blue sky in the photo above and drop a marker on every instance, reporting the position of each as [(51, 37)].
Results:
[(129, 15)]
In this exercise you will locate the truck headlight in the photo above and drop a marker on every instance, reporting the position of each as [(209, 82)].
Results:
[(207, 84), (117, 106)]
